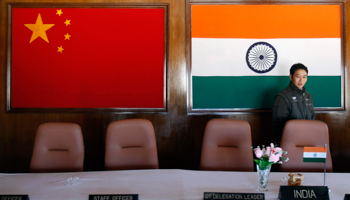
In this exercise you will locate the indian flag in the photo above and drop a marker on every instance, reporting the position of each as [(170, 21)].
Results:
[(241, 54), (315, 154)]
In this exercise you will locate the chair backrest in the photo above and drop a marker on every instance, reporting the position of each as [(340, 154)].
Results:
[(131, 144), (298, 134), (227, 146), (58, 147)]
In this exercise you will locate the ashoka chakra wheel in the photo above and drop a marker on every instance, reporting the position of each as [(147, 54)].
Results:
[(261, 57)]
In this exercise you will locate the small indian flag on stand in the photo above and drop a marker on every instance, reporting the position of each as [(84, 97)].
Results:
[(315, 154)]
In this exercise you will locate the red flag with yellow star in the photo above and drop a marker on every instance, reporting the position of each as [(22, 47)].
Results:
[(88, 58)]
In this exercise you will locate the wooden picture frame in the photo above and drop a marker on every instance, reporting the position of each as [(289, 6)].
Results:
[(220, 37), (118, 74)]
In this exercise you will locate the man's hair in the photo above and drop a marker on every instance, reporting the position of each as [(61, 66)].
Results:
[(297, 66)]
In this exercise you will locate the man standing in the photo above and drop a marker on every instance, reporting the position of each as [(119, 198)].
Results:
[(293, 102)]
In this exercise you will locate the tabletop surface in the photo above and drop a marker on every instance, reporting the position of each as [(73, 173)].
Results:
[(157, 184)]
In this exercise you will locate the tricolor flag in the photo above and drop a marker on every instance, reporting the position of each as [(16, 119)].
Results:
[(241, 54), (315, 154), (88, 57)]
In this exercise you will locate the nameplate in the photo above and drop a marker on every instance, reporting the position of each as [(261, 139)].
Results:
[(227, 196), (14, 197), (347, 197), (303, 192), (114, 197)]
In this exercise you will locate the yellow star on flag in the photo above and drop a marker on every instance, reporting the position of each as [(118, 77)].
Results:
[(60, 49), (67, 22), (59, 12), (67, 36), (39, 29)]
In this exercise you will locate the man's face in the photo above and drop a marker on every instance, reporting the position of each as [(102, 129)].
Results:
[(299, 78)]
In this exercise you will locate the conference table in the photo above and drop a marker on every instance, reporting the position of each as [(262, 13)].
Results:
[(158, 184)]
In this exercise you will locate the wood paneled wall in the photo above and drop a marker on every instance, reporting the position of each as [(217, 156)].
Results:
[(179, 135)]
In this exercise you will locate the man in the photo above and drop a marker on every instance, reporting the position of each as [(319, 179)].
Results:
[(293, 102)]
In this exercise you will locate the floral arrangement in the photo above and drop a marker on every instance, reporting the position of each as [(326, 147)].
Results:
[(266, 156)]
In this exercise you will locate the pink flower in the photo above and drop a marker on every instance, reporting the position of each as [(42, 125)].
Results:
[(278, 151), (258, 152), (269, 155), (274, 158)]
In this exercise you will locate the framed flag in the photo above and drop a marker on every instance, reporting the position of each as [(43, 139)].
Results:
[(239, 53), (87, 57)]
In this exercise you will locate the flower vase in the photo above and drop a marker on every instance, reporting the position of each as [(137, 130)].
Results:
[(263, 178)]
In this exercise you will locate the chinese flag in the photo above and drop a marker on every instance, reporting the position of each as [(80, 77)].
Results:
[(88, 58)]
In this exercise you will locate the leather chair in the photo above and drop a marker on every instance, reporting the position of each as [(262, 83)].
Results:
[(131, 144), (227, 146), (300, 133), (58, 147)]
